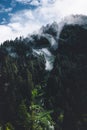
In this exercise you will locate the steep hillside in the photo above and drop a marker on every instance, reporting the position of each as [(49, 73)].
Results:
[(67, 84), (43, 78)]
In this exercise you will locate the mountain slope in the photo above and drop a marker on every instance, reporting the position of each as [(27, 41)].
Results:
[(67, 84), (43, 78)]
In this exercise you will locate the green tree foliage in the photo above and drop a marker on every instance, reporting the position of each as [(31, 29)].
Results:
[(32, 98), (21, 88), (66, 89)]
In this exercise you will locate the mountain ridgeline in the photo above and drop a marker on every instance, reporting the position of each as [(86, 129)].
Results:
[(43, 78)]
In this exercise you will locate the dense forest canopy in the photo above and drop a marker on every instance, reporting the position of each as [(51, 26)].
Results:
[(34, 97)]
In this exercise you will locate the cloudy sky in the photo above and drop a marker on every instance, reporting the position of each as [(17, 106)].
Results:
[(22, 17)]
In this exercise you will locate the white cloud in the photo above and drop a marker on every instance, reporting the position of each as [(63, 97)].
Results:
[(24, 1), (5, 10), (3, 21), (35, 3), (26, 21)]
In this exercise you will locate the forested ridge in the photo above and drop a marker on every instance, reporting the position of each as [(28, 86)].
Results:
[(35, 98)]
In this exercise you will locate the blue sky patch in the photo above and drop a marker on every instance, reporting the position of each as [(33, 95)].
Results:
[(23, 17), (8, 7)]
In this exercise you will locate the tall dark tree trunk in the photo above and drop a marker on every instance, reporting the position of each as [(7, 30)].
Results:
[(69, 122)]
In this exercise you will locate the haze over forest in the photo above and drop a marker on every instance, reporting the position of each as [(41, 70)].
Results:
[(43, 65)]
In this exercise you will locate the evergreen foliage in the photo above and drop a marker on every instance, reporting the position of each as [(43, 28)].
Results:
[(32, 98)]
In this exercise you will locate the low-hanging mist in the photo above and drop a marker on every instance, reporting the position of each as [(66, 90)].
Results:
[(45, 41), (52, 33), (43, 78)]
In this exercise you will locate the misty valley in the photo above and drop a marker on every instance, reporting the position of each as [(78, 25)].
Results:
[(43, 78)]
